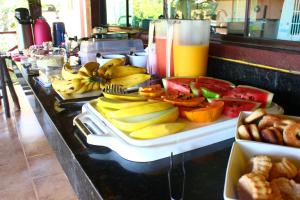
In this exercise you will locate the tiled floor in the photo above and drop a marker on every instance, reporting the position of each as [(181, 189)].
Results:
[(29, 169)]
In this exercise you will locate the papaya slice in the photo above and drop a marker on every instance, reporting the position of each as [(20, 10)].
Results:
[(151, 91), (207, 114), (183, 109), (186, 100)]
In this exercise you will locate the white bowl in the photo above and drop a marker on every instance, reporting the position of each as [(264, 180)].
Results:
[(139, 59), (105, 58), (242, 152)]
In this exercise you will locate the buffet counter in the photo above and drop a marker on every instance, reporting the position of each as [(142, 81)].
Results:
[(96, 172)]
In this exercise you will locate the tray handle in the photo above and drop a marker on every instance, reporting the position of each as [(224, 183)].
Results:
[(103, 136)]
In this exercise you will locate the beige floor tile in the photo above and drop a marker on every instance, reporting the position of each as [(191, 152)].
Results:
[(44, 165), (36, 147), (18, 192), (10, 151), (56, 187), (13, 174)]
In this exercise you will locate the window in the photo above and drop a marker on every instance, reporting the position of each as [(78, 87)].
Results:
[(137, 13), (66, 11), (8, 38), (265, 19), (270, 20)]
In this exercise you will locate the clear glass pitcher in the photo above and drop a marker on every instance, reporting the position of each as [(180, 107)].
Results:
[(190, 47)]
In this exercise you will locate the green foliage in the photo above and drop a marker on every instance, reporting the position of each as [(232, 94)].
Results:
[(147, 9)]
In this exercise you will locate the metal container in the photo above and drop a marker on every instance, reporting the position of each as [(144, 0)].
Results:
[(24, 30)]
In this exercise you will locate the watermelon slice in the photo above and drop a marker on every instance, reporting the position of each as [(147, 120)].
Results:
[(178, 84), (210, 87), (233, 107), (251, 93)]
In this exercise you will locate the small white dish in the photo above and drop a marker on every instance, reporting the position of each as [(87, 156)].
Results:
[(139, 59)]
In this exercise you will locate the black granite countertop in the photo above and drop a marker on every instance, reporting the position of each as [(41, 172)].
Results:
[(97, 172)]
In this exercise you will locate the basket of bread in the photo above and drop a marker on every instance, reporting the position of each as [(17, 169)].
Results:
[(260, 126), (260, 171)]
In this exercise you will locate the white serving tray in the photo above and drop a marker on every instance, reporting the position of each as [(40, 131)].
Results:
[(191, 131), (101, 132), (240, 155)]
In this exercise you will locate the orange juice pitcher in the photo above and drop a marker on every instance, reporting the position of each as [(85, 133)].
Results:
[(190, 47)]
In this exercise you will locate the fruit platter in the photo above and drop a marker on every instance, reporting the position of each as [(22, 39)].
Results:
[(181, 115)]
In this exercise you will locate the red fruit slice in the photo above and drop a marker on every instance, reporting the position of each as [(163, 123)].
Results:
[(178, 85), (215, 85), (233, 107), (251, 93)]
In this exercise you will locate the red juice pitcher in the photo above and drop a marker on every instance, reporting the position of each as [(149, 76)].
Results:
[(160, 56), (161, 38)]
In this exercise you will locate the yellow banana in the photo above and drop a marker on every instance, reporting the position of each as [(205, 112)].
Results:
[(76, 83), (63, 86), (120, 71), (68, 73), (131, 80), (89, 68), (139, 110), (83, 87), (114, 62), (90, 86), (96, 86)]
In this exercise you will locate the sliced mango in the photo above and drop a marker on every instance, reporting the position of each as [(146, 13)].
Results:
[(158, 130), (103, 110), (129, 96), (139, 110), (131, 124), (118, 104)]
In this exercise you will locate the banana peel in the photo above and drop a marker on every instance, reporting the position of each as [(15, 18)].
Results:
[(139, 110), (118, 104), (131, 80), (157, 130), (135, 123)]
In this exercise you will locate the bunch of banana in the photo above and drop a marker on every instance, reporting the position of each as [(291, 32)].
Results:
[(93, 77)]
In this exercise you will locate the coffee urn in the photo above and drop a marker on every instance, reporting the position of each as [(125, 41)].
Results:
[(24, 30)]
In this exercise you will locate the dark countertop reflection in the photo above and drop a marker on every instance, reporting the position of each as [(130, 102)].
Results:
[(113, 177)]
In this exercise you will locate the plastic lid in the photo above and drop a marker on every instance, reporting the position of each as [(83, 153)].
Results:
[(112, 46)]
